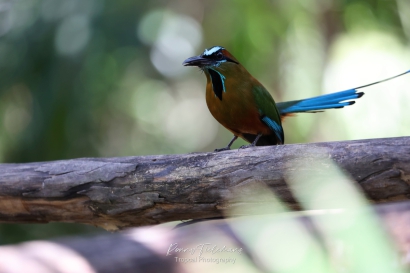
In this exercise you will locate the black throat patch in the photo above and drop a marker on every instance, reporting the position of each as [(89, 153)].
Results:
[(218, 84)]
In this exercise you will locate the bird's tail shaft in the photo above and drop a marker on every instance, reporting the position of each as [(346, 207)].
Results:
[(328, 101)]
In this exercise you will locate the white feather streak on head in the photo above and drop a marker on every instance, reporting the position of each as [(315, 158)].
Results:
[(212, 50)]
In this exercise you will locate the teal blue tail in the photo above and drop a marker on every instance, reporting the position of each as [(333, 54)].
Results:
[(328, 101)]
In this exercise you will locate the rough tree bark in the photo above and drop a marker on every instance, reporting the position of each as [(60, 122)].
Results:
[(132, 191)]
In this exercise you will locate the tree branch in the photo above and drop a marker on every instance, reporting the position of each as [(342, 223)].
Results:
[(132, 191), (152, 249)]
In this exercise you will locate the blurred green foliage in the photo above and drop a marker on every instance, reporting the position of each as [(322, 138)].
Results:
[(104, 78)]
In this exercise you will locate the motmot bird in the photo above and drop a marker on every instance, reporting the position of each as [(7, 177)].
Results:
[(243, 105)]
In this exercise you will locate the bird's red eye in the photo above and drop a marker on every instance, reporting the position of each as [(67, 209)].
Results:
[(219, 55)]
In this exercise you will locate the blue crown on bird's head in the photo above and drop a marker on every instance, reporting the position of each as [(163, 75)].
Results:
[(213, 56)]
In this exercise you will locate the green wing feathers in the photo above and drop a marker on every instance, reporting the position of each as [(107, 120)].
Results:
[(268, 111)]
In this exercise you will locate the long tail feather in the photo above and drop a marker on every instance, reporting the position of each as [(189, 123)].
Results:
[(328, 101)]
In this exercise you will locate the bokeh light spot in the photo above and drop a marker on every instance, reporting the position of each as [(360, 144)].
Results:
[(173, 36), (190, 125), (73, 34)]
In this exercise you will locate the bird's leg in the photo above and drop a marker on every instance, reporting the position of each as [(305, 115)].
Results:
[(229, 145), (253, 144)]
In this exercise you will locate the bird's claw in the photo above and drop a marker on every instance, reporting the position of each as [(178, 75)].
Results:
[(222, 149), (247, 146)]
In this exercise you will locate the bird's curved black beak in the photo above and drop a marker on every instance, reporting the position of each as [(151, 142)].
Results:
[(197, 61)]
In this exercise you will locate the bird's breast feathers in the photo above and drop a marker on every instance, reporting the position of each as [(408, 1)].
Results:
[(235, 107)]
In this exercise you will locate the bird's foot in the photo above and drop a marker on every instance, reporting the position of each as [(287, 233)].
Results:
[(222, 149), (247, 146)]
